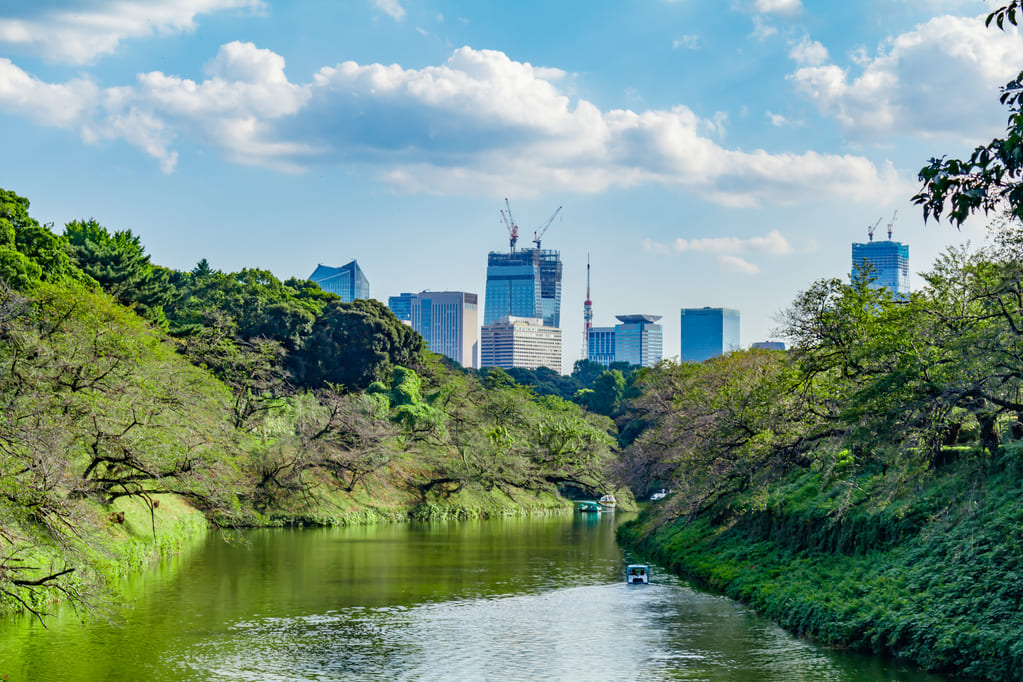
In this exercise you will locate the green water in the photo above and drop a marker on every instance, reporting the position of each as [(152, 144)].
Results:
[(521, 599)]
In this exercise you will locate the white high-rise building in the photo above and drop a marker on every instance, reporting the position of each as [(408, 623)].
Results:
[(520, 342)]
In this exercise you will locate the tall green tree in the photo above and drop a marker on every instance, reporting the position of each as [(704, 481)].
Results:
[(119, 263), (354, 344)]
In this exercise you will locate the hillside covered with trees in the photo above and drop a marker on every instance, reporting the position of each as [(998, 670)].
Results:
[(257, 401), (863, 488)]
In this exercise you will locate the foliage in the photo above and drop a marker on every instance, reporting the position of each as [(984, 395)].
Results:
[(94, 407), (256, 400), (991, 179), (354, 344), (42, 253), (120, 265)]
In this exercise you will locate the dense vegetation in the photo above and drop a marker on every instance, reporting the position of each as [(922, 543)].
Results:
[(863, 488), (255, 400)]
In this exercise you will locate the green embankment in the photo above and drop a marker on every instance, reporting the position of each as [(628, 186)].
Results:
[(934, 575)]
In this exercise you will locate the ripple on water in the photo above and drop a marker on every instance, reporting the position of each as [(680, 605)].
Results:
[(609, 631)]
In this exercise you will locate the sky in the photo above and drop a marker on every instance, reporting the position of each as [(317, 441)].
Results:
[(721, 153)]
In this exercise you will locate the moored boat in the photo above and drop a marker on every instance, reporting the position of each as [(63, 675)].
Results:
[(608, 501), (589, 507)]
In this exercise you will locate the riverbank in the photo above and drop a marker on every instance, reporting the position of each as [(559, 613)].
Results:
[(130, 535), (933, 575)]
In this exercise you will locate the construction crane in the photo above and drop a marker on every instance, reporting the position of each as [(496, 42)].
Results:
[(892, 223), (870, 230), (537, 235), (509, 222)]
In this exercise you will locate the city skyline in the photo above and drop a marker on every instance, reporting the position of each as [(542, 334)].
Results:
[(716, 155)]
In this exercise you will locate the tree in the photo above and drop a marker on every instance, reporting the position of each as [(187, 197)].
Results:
[(354, 344), (991, 179), (120, 265), (606, 395)]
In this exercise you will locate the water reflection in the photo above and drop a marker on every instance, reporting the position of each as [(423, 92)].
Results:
[(511, 599)]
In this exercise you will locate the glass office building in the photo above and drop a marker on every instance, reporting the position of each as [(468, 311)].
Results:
[(601, 345), (638, 340), (447, 320), (347, 281), (524, 283), (708, 332), (886, 262), (401, 306), (449, 323)]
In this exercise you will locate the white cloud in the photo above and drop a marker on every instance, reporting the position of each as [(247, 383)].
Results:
[(780, 121), (480, 123), (392, 8), (772, 243), (785, 7), (60, 105), (941, 78), (82, 34), (808, 52), (738, 265), (762, 30), (688, 42)]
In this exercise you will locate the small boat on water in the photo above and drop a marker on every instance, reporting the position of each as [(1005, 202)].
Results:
[(637, 574), (589, 507), (608, 501)]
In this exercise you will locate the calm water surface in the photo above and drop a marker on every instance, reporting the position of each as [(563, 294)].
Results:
[(519, 599)]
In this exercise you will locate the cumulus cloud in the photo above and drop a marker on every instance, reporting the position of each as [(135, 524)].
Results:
[(941, 78), (781, 121), (785, 7), (762, 30), (773, 243), (479, 123), (80, 34), (808, 52), (738, 264), (392, 8), (687, 42), (59, 105)]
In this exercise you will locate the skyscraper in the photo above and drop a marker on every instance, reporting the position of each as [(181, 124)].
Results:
[(525, 283), (347, 281), (401, 306), (447, 320), (887, 262), (449, 323), (520, 342), (638, 340), (708, 332), (600, 345)]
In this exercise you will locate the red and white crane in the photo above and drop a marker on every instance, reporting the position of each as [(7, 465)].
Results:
[(509, 222), (538, 234)]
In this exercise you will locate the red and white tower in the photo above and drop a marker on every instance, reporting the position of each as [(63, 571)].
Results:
[(587, 313)]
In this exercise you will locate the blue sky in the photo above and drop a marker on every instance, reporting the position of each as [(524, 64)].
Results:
[(705, 153)]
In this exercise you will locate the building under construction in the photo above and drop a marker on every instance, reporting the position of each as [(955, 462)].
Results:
[(526, 282)]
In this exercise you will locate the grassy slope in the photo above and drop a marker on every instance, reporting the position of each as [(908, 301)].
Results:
[(934, 575)]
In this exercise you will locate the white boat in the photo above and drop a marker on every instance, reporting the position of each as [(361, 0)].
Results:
[(608, 501), (637, 574), (659, 495)]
